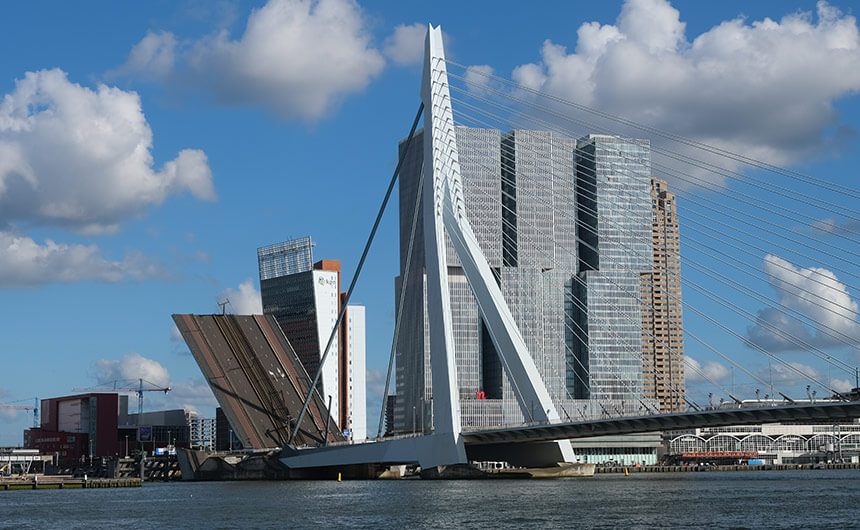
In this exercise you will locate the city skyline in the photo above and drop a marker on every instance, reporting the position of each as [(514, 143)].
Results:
[(169, 223)]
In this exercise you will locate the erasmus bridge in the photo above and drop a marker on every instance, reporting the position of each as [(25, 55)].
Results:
[(789, 214)]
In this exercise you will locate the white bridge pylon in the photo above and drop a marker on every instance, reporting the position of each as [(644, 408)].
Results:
[(444, 208)]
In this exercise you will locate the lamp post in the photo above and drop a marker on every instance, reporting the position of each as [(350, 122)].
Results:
[(126, 446)]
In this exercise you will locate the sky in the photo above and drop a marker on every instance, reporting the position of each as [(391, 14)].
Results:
[(147, 149)]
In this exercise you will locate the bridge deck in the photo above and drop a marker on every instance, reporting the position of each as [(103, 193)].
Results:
[(665, 422)]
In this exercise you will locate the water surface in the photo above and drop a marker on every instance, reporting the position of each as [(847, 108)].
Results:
[(765, 499)]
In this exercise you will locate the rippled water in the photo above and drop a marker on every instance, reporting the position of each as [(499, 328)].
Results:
[(768, 499)]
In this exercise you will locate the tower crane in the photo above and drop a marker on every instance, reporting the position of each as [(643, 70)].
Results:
[(139, 391), (34, 408)]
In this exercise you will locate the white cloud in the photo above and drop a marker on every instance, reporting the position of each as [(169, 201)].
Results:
[(478, 78), (243, 301), (79, 158), (784, 376), (841, 385), (406, 45), (299, 58), (132, 367), (818, 295), (730, 87), (26, 263), (696, 372), (153, 57), (192, 394)]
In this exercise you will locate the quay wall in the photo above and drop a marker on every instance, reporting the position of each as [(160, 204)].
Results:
[(732, 467)]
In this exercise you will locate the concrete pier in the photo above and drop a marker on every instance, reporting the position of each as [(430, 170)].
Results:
[(40, 482)]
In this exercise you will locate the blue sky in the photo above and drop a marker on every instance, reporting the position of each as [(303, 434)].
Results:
[(147, 149)]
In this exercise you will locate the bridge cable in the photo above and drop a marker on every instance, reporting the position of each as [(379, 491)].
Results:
[(402, 298), (767, 353), (342, 312)]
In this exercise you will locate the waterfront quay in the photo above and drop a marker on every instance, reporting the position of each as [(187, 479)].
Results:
[(721, 467), (45, 482)]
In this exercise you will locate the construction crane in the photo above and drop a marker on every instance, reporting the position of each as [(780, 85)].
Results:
[(139, 391), (34, 408)]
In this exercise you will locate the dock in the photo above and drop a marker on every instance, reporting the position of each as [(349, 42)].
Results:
[(44, 482)]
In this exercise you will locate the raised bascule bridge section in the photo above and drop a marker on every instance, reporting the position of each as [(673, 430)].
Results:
[(257, 379)]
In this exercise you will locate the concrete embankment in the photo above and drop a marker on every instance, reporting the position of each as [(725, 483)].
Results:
[(42, 482), (733, 467)]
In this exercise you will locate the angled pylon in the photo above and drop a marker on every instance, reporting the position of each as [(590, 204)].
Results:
[(444, 207)]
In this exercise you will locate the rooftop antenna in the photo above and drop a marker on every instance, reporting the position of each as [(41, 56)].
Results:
[(223, 305)]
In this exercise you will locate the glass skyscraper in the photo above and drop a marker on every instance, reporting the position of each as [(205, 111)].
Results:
[(522, 201), (614, 237)]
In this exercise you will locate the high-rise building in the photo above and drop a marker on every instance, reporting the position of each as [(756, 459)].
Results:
[(305, 299), (613, 234), (353, 391), (520, 192), (568, 245), (662, 318)]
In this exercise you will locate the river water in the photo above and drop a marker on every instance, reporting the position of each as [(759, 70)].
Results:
[(751, 499)]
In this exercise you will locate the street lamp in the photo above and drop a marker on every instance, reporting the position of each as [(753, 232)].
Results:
[(126, 446)]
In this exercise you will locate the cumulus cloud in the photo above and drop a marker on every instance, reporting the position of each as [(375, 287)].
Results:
[(26, 263), (132, 367), (192, 394), (153, 57), (764, 89), (299, 58), (696, 372), (841, 385), (79, 158), (245, 300), (828, 310), (784, 376), (406, 45)]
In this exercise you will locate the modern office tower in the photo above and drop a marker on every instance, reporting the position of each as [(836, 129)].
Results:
[(305, 299), (614, 237), (353, 391), (662, 318)]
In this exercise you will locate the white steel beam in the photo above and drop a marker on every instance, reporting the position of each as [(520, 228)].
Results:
[(444, 207), (440, 159)]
